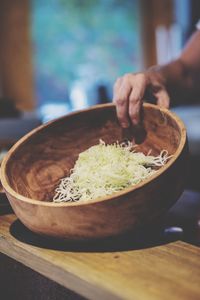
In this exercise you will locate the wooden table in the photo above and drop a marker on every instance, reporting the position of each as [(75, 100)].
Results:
[(157, 263)]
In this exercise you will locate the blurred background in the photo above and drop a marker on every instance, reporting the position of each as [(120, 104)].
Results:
[(57, 56)]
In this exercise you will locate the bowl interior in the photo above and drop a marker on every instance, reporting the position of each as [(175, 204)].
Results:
[(39, 160)]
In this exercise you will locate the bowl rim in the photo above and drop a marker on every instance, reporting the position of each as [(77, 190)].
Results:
[(8, 189)]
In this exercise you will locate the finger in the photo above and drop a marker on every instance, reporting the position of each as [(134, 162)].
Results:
[(162, 97), (135, 99), (121, 95), (135, 111), (117, 86)]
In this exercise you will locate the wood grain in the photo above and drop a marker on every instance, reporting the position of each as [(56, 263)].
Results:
[(170, 271), (33, 167)]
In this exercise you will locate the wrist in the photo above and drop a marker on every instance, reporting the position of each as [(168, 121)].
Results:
[(156, 75)]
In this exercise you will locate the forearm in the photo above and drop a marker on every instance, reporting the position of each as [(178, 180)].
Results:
[(181, 82), (181, 77)]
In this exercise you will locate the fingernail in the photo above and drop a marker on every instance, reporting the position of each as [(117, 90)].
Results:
[(135, 122)]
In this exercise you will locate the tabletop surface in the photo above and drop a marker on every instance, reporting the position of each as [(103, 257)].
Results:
[(158, 264)]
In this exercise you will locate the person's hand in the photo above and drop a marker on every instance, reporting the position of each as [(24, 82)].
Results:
[(129, 92)]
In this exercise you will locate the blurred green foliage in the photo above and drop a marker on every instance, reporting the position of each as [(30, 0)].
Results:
[(87, 41)]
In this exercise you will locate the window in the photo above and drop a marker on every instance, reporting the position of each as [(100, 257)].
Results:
[(80, 48)]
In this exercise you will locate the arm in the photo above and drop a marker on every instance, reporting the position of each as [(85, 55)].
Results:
[(181, 76)]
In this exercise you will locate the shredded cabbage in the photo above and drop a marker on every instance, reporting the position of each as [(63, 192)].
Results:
[(104, 169)]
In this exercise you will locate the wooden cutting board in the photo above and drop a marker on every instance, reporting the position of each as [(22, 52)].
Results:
[(107, 270)]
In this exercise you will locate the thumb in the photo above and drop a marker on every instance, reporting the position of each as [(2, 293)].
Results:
[(162, 97)]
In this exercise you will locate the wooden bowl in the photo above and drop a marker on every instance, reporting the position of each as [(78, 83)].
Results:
[(35, 164)]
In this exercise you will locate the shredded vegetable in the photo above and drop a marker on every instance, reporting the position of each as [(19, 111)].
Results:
[(105, 169)]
